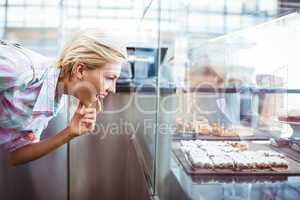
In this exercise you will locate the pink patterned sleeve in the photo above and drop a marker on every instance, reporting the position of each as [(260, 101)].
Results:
[(23, 140), (29, 135), (15, 70)]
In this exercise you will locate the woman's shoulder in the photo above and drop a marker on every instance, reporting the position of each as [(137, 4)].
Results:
[(19, 65), (20, 57)]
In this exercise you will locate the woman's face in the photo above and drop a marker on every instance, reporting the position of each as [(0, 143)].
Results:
[(90, 84)]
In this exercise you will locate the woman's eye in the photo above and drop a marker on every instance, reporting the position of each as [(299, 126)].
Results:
[(109, 79)]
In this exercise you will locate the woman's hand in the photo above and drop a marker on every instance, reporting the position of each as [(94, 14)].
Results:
[(83, 121)]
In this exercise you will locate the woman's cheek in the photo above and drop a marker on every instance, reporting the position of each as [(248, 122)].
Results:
[(106, 84)]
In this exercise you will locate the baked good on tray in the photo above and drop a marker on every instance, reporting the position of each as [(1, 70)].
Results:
[(217, 130), (239, 145), (243, 131), (295, 145), (277, 162), (242, 161), (182, 125), (231, 155), (292, 116), (202, 126), (222, 161), (200, 159)]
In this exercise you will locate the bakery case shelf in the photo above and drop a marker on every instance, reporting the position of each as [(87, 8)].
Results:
[(229, 90)]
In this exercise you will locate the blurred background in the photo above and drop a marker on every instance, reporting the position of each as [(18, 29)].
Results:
[(39, 24)]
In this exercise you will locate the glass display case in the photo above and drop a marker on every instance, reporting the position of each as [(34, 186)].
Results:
[(229, 129), (206, 107)]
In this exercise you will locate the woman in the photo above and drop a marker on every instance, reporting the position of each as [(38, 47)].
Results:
[(31, 90)]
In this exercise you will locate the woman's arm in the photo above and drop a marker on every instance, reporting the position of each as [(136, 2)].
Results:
[(82, 122), (34, 151)]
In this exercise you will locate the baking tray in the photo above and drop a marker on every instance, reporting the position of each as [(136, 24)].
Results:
[(293, 170), (205, 179), (258, 135)]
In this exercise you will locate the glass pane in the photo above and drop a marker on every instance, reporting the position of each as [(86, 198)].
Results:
[(233, 70)]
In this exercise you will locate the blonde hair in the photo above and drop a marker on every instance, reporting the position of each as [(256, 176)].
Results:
[(92, 48)]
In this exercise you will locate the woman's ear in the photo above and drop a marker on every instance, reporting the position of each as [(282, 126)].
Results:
[(77, 71)]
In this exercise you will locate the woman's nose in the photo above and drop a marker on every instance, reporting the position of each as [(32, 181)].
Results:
[(112, 88)]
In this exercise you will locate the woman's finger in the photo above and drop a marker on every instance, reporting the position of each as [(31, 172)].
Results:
[(90, 126), (81, 108), (86, 120), (90, 116), (90, 110)]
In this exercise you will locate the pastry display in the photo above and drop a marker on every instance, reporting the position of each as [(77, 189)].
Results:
[(222, 161), (239, 145), (203, 127), (184, 126), (242, 161), (295, 145), (292, 116), (280, 142), (200, 159), (291, 143), (231, 155)]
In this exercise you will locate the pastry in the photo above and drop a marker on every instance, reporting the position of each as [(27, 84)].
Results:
[(222, 162), (204, 129), (242, 161), (277, 162), (183, 125), (239, 145), (217, 130), (230, 132), (200, 160), (231, 155), (201, 125)]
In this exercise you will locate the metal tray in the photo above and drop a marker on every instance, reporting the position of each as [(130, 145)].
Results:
[(293, 170)]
